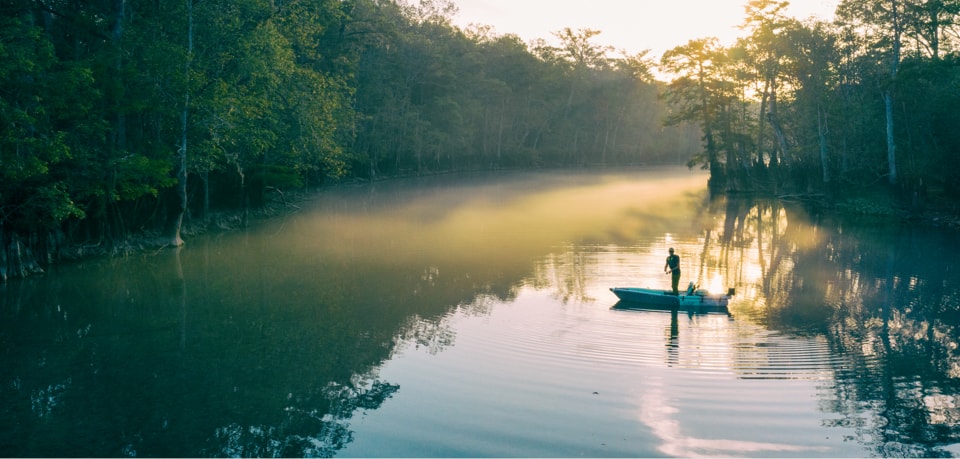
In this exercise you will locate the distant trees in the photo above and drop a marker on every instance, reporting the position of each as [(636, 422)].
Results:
[(432, 98), (828, 107)]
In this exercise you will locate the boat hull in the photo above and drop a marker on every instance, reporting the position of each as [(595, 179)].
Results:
[(667, 298)]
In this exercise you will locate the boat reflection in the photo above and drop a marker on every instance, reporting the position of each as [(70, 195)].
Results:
[(672, 329), (690, 309)]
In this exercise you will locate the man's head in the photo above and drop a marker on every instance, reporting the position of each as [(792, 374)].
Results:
[(671, 250)]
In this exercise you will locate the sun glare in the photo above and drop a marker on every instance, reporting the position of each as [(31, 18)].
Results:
[(631, 26), (715, 285)]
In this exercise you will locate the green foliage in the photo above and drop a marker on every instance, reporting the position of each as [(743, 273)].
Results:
[(48, 206), (297, 94), (800, 106), (44, 110), (139, 176)]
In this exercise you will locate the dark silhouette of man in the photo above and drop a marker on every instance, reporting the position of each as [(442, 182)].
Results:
[(672, 266)]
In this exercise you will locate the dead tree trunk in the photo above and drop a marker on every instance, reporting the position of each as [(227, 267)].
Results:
[(174, 236)]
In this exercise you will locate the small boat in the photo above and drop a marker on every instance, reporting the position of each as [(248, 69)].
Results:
[(692, 297)]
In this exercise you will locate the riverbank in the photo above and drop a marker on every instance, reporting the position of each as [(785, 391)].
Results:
[(18, 258), (878, 207)]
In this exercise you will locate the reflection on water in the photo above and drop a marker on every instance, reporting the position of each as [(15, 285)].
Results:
[(471, 316)]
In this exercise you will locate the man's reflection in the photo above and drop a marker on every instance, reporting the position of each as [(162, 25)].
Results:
[(673, 341)]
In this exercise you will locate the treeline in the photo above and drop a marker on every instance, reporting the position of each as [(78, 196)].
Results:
[(132, 117), (870, 99), (122, 117)]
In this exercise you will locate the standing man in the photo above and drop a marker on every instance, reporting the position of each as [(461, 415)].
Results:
[(672, 266)]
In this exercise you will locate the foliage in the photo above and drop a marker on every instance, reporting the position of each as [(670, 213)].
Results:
[(832, 108), (101, 101)]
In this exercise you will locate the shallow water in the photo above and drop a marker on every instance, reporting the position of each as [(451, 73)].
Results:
[(471, 316)]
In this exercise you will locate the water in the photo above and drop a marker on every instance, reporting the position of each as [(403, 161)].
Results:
[(471, 316)]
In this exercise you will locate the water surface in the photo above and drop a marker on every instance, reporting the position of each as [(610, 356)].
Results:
[(470, 315)]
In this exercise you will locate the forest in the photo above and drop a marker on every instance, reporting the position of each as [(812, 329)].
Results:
[(124, 121)]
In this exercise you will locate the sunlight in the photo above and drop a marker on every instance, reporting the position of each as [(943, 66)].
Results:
[(658, 415), (629, 26), (752, 272), (515, 218), (715, 285)]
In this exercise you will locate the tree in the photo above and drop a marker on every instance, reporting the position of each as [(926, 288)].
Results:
[(181, 163), (42, 106), (765, 50), (694, 95), (886, 20), (815, 64), (928, 21)]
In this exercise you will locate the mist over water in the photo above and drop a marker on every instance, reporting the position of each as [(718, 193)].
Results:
[(469, 315), (468, 218)]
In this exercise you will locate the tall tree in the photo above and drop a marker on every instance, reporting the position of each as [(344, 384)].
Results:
[(693, 95), (765, 48), (886, 20), (814, 63), (928, 23), (181, 163)]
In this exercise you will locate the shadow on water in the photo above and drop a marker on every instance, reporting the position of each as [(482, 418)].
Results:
[(268, 342), (153, 356)]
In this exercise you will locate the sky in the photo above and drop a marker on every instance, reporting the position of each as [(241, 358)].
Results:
[(629, 25)]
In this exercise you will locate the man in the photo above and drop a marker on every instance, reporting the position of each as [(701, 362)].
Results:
[(673, 266)]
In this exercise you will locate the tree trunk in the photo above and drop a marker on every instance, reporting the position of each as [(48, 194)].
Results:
[(3, 257), (174, 236), (503, 107), (761, 122), (774, 119), (888, 93), (205, 178), (822, 138), (16, 258), (120, 133), (891, 144)]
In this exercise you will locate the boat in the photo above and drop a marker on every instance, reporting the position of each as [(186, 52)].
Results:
[(691, 298)]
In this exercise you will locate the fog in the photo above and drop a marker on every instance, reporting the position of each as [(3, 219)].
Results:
[(459, 218)]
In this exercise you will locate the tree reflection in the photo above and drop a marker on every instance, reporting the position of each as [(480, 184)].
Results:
[(885, 297), (229, 349), (304, 431), (123, 359)]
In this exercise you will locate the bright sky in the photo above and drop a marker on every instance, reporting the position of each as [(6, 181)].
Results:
[(631, 25)]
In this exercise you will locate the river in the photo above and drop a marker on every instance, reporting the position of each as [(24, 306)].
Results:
[(470, 316)]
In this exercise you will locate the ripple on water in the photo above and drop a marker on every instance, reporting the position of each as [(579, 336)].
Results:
[(581, 334), (544, 376)]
